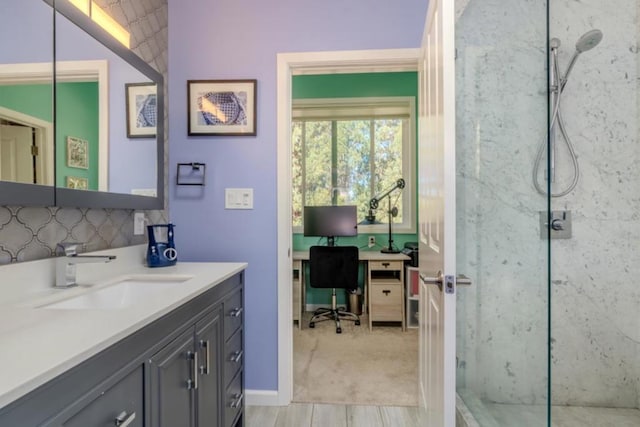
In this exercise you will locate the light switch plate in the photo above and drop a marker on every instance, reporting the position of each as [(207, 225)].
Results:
[(238, 198), (138, 223)]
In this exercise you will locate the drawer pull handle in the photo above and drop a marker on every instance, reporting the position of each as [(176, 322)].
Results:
[(123, 420), (386, 292), (235, 357), (236, 312), (204, 369), (192, 383), (237, 400), (385, 264)]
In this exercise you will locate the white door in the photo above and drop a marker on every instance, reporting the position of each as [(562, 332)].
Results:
[(437, 207), (16, 159)]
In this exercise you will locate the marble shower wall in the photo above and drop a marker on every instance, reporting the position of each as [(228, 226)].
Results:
[(501, 95), (595, 296), (29, 233)]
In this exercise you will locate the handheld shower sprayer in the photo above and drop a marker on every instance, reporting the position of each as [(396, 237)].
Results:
[(588, 41), (557, 83)]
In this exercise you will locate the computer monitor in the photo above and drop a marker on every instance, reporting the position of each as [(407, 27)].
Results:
[(330, 222)]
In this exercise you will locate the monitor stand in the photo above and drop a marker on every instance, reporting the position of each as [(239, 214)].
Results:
[(331, 241)]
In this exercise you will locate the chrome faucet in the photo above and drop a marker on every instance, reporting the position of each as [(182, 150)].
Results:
[(66, 264)]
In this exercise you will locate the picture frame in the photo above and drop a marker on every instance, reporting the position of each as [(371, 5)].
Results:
[(77, 153), (222, 107), (142, 109), (77, 183)]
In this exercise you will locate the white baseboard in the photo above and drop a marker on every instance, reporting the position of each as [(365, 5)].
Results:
[(262, 397)]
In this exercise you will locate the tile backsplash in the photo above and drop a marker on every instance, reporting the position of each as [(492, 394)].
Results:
[(30, 233)]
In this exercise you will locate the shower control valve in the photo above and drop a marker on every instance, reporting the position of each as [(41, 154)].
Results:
[(557, 224)]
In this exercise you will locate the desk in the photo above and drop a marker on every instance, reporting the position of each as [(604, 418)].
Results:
[(383, 286)]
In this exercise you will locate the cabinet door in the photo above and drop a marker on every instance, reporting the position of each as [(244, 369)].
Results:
[(172, 383), (208, 339)]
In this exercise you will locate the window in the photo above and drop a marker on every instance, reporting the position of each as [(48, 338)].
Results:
[(346, 151)]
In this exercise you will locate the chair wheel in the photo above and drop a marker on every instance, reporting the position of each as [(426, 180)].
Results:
[(338, 330), (312, 325), (357, 323)]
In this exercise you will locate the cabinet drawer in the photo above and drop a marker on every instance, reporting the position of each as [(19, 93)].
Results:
[(124, 400), (386, 302), (233, 356), (386, 265), (233, 314), (234, 400)]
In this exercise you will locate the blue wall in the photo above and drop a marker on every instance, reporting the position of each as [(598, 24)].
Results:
[(239, 40)]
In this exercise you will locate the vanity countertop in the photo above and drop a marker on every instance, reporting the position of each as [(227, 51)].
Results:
[(39, 344)]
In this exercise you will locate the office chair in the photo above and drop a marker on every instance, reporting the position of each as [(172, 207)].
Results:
[(333, 267)]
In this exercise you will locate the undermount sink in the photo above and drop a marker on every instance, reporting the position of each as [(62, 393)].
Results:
[(120, 294)]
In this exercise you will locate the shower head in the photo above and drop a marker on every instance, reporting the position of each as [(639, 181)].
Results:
[(588, 41)]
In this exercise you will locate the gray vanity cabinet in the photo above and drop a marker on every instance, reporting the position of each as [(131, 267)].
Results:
[(184, 377), (170, 373)]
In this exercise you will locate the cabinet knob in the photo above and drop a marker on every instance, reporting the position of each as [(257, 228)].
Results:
[(237, 400), (235, 357), (204, 368), (236, 312), (192, 383), (124, 419)]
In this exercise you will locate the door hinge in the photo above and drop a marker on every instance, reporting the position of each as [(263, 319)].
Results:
[(34, 150)]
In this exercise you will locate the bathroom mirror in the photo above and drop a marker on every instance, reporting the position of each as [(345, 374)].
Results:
[(109, 119), (107, 153), (26, 104)]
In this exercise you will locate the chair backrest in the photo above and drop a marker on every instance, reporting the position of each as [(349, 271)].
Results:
[(333, 267)]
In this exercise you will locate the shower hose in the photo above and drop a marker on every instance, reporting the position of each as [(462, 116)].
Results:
[(556, 119)]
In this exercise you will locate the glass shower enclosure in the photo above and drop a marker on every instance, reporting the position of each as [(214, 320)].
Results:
[(548, 225)]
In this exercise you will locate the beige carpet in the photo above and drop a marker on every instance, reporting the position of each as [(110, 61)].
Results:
[(356, 367)]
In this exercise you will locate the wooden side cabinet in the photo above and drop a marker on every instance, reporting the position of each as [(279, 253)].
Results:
[(386, 292), (412, 295)]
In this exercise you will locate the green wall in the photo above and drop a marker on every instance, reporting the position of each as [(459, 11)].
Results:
[(77, 115), (353, 86), (33, 100)]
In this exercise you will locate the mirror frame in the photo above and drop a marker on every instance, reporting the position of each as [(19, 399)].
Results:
[(39, 195), (100, 199)]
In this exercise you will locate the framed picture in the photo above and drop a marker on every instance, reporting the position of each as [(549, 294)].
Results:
[(142, 110), (77, 183), (222, 107), (77, 153)]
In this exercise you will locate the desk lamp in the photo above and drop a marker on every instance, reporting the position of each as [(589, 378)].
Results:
[(373, 205)]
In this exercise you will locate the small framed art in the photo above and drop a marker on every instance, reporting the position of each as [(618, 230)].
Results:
[(222, 107), (77, 183), (142, 110), (77, 153)]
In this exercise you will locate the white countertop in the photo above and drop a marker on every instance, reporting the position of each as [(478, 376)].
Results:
[(37, 344)]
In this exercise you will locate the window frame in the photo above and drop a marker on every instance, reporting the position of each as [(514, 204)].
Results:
[(372, 108)]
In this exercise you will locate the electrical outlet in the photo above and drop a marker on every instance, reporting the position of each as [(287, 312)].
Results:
[(139, 219), (372, 241)]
